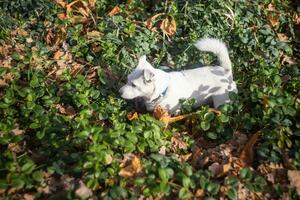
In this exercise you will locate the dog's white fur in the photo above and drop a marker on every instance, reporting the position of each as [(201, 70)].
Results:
[(205, 84)]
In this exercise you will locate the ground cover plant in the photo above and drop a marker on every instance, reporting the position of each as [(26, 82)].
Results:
[(65, 133)]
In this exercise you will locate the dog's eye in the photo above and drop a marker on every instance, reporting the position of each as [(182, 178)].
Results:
[(133, 85)]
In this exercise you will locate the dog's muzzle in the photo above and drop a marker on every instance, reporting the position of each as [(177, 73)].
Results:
[(124, 94)]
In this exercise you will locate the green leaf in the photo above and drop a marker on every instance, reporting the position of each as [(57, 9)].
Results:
[(246, 174), (213, 188), (205, 125), (139, 181), (223, 118), (232, 194), (40, 134), (232, 181), (38, 176), (165, 188), (3, 184), (28, 167), (186, 181), (163, 174), (209, 116), (184, 193), (212, 135), (18, 183)]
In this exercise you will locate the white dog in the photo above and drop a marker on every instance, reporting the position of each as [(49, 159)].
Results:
[(205, 84)]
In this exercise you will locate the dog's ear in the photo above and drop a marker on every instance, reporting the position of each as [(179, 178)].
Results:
[(143, 63), (148, 75), (142, 58)]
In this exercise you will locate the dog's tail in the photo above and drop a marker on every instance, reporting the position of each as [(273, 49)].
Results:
[(217, 47)]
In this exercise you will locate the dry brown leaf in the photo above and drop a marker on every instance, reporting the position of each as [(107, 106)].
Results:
[(66, 110), (271, 8), (168, 26), (247, 154), (114, 11), (287, 60), (62, 16), (132, 116), (84, 11), (83, 191), (217, 112), (19, 32), (184, 158), (200, 193), (94, 34), (162, 150), (80, 11), (18, 131), (177, 142), (296, 18), (294, 178), (58, 54), (163, 115), (282, 37), (92, 3), (62, 3), (273, 20), (3, 83), (219, 170), (134, 167), (14, 147), (149, 22), (29, 196)]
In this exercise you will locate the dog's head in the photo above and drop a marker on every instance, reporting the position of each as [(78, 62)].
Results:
[(140, 82)]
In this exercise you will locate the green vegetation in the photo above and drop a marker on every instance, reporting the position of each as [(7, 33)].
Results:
[(65, 131)]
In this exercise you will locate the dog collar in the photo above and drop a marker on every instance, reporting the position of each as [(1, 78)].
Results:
[(160, 96)]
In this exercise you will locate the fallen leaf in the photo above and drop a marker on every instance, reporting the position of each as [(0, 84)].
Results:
[(18, 131), (114, 11), (184, 158), (200, 193), (62, 3), (162, 150), (273, 20), (296, 18), (219, 113), (62, 16), (247, 154), (215, 169), (134, 167), (66, 110), (132, 116), (3, 83), (163, 115), (29, 196), (92, 3), (149, 22), (58, 54), (219, 170), (83, 191), (287, 60), (168, 26), (294, 178), (282, 37), (94, 34), (177, 142), (271, 7), (14, 147), (77, 11), (29, 40)]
